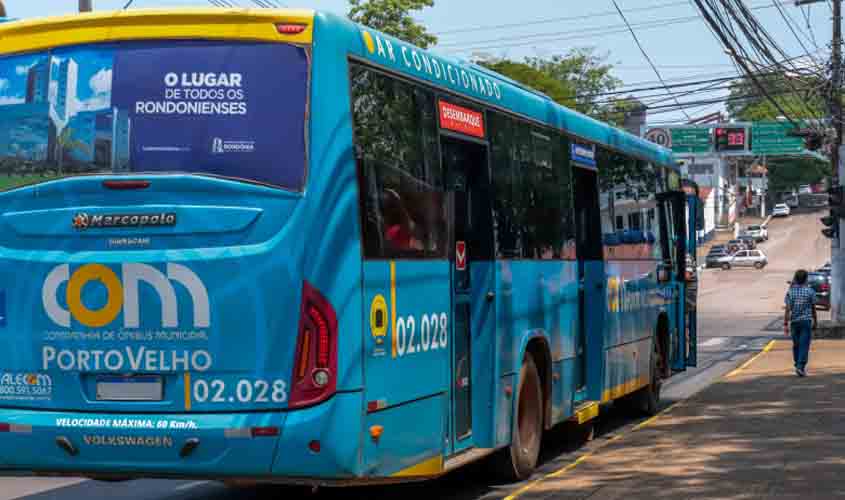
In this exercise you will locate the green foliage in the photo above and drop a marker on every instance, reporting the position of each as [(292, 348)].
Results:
[(394, 18), (559, 91), (788, 173), (571, 80), (800, 97)]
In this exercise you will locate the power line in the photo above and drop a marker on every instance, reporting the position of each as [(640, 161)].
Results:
[(552, 20), (645, 54), (561, 36)]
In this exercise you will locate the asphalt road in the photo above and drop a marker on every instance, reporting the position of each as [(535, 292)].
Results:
[(738, 314)]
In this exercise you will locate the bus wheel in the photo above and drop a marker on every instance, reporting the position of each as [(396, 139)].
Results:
[(517, 461)]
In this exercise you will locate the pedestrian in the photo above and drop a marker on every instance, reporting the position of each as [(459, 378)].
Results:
[(800, 319)]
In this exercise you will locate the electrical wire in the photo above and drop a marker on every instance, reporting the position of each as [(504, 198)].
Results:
[(514, 41), (645, 54)]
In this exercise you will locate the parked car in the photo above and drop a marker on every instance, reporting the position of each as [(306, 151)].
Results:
[(758, 232), (791, 202), (821, 284), (737, 245), (805, 189), (750, 242), (824, 269), (718, 247), (781, 210), (713, 258), (745, 258)]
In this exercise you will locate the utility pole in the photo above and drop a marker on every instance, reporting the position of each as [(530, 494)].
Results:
[(837, 265), (2, 9), (85, 6)]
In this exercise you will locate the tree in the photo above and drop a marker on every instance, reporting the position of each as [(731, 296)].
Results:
[(798, 96), (575, 80), (394, 18)]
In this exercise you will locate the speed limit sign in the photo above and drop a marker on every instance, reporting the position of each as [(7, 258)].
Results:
[(660, 136)]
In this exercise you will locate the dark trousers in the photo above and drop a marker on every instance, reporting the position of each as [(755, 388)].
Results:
[(802, 334)]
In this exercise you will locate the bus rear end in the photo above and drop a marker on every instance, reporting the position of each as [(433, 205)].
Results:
[(167, 306)]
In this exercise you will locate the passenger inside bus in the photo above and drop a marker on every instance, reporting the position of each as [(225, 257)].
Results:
[(399, 226)]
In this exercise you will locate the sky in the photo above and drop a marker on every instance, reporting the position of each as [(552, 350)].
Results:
[(672, 34)]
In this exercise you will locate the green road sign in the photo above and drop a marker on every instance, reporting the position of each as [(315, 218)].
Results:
[(691, 140), (770, 138)]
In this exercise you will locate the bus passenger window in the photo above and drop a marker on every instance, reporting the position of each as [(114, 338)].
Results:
[(401, 184)]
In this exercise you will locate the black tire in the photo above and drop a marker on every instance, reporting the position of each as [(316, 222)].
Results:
[(759, 265), (726, 266), (517, 461)]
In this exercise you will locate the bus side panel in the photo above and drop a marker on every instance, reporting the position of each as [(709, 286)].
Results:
[(483, 351), (532, 297), (407, 337), (633, 307), (412, 435)]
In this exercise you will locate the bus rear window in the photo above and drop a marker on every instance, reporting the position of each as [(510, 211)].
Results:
[(228, 109)]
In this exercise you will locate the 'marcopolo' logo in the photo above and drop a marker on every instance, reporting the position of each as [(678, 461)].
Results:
[(83, 221)]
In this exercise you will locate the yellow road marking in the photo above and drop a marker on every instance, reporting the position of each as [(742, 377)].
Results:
[(516, 494), (747, 363)]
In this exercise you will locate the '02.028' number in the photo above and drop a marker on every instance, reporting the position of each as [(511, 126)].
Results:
[(433, 334), (246, 391)]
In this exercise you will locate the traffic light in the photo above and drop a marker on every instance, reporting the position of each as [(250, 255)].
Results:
[(831, 221), (730, 138)]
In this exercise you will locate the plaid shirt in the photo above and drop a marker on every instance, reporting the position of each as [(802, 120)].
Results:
[(800, 299)]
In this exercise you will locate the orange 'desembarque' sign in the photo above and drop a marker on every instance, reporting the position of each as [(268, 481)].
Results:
[(461, 120)]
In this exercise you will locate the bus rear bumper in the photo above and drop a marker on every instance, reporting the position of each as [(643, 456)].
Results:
[(257, 447)]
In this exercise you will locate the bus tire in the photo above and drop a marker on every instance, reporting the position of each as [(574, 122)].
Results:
[(517, 461)]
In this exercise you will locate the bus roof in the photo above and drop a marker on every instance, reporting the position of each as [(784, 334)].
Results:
[(185, 23), (29, 35)]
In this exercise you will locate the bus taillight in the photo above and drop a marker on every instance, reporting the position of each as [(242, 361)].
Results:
[(315, 368)]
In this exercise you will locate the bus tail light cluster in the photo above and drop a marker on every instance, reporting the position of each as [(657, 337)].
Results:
[(315, 364)]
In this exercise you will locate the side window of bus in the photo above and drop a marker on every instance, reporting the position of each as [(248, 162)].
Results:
[(629, 190), (401, 180), (532, 194)]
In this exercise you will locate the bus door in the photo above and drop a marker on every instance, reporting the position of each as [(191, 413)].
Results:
[(674, 249), (591, 275), (468, 181)]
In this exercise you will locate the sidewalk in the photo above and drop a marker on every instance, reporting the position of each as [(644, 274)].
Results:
[(761, 432)]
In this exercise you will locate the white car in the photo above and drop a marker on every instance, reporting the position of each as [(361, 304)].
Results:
[(805, 189), (744, 258), (781, 210), (758, 232)]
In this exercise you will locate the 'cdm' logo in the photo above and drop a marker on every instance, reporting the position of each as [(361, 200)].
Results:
[(122, 294)]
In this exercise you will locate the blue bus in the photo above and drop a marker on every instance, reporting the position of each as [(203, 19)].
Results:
[(273, 245)]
